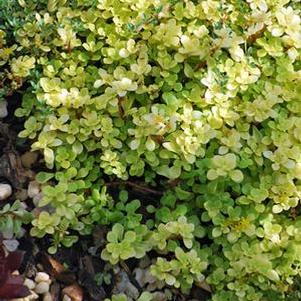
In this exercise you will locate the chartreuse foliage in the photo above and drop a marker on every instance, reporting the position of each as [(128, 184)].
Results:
[(206, 93), (12, 216), (13, 68), (145, 296)]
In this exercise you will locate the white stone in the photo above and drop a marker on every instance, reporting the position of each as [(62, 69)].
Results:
[(42, 288), (42, 277), (29, 283), (5, 191)]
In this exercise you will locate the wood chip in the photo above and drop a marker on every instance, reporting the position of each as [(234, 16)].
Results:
[(74, 292), (29, 158), (57, 270)]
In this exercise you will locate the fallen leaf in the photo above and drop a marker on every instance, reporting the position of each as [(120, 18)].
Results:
[(11, 286), (29, 158), (14, 288), (57, 270)]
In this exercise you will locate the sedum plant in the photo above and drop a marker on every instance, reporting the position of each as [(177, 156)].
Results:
[(200, 97), (182, 271), (145, 296), (119, 297), (124, 245), (12, 218), (16, 67)]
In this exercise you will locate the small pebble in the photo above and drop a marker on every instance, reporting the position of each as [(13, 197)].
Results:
[(42, 288), (10, 245), (29, 283), (47, 297), (33, 189), (3, 109), (5, 191), (42, 277)]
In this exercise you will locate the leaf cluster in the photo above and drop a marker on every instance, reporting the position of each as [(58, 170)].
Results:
[(202, 97)]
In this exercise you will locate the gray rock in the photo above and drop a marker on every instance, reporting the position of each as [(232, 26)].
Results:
[(10, 244), (5, 191)]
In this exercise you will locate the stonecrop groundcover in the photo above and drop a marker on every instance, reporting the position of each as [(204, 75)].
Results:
[(197, 101)]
